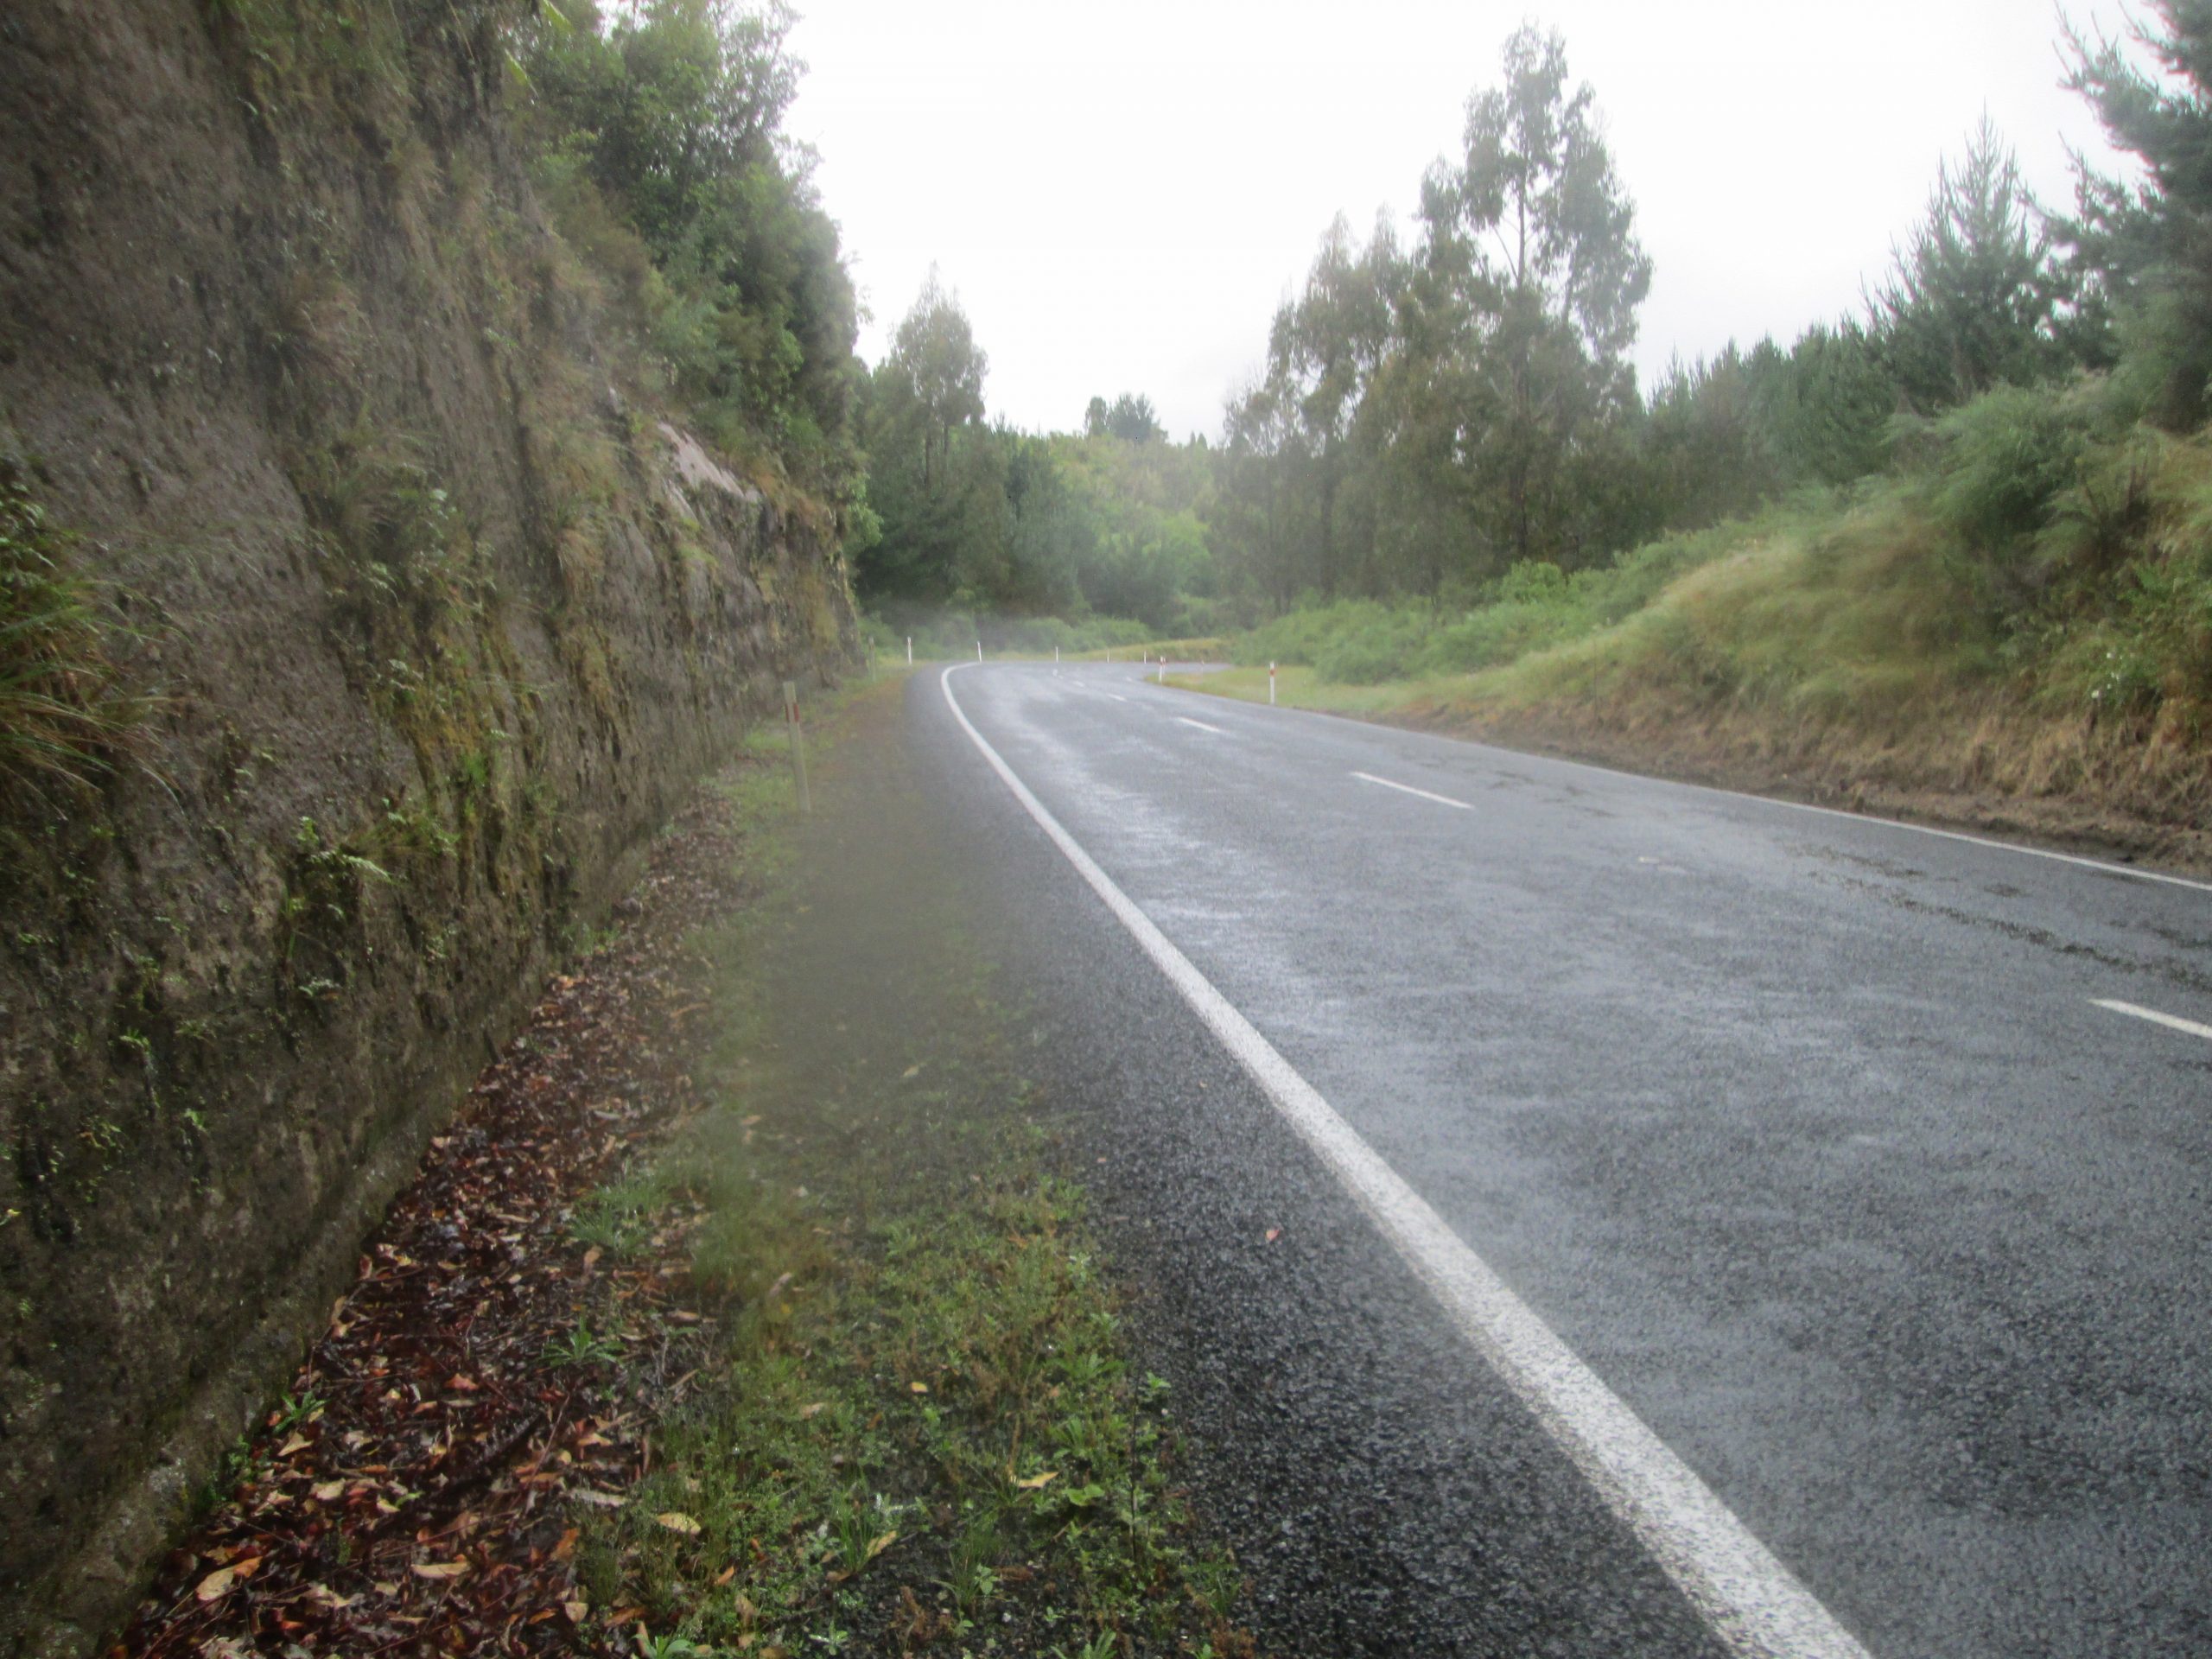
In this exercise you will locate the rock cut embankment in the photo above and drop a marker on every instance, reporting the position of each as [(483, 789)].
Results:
[(441, 617)]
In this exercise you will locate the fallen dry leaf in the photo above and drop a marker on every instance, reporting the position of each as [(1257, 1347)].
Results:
[(814, 1410), (440, 1569), (1274, 1233), (877, 1546), (1036, 1481), (677, 1521)]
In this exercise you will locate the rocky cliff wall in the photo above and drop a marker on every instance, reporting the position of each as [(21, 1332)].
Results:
[(438, 618)]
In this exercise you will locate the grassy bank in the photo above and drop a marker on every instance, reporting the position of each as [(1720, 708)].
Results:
[(913, 1425), (1926, 643)]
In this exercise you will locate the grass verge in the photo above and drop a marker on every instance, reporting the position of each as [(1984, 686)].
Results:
[(916, 1425), (1844, 648)]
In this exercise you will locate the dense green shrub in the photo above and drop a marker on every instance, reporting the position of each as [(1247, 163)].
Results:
[(1534, 604), (2002, 461)]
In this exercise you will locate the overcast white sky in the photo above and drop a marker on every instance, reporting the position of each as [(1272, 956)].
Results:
[(1121, 194)]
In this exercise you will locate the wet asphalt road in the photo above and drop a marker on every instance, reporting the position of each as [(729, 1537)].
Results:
[(1807, 1133)]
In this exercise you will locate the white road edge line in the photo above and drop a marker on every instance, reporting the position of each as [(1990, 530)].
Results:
[(1753, 1604), (1441, 800), (2173, 1021), (2103, 866), (1202, 726)]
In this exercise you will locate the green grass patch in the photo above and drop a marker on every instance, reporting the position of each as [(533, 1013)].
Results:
[(920, 1427), (923, 1429)]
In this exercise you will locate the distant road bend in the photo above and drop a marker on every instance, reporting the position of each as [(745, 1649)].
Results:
[(1832, 1193)]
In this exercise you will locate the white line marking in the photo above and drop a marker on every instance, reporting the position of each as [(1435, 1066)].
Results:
[(1754, 1605), (2098, 864), (2156, 1019), (1202, 726), (2102, 866), (1441, 800), (1117, 696)]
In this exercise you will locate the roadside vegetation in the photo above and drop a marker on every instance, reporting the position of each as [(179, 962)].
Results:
[(1986, 483), (1957, 541), (722, 1323), (64, 712), (917, 1425)]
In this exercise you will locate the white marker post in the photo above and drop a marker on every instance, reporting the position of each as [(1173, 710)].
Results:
[(979, 651), (1056, 653), (798, 745), (1271, 685), (910, 651), (1163, 668)]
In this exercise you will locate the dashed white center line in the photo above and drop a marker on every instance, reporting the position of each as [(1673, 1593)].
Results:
[(2173, 1022), (1117, 696), (1408, 788), (1202, 726)]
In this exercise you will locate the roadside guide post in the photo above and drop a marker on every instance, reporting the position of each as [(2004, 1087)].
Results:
[(798, 745), (910, 651), (1271, 685)]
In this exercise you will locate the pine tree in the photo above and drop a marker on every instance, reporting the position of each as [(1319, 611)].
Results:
[(1973, 299), (2145, 250)]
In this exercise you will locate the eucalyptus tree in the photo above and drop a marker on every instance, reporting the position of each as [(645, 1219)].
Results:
[(1531, 273), (1323, 351), (1253, 530), (941, 503), (934, 376)]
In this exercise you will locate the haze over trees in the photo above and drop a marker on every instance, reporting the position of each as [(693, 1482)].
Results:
[(964, 516), (1446, 414), (1431, 415)]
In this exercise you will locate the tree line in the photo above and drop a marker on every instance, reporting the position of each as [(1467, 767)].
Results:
[(1434, 408), (1431, 415)]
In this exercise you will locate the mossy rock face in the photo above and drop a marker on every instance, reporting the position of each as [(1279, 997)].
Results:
[(438, 627)]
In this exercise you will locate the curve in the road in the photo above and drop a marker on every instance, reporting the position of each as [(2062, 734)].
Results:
[(1754, 1603)]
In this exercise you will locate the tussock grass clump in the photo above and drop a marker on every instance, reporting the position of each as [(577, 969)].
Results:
[(65, 713)]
